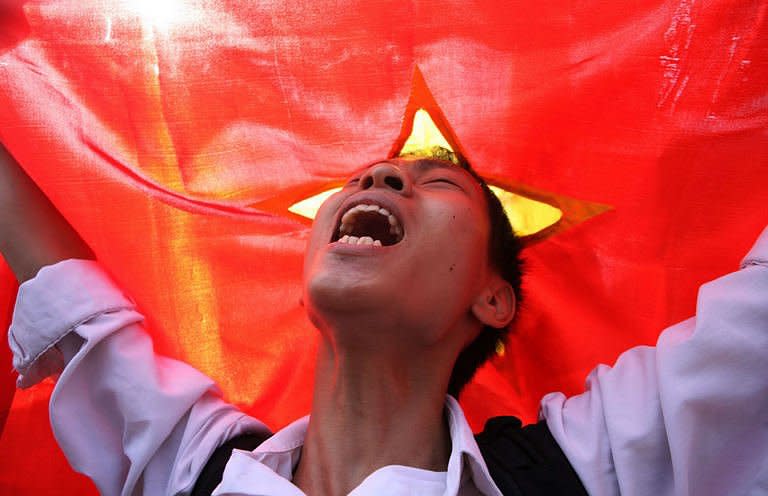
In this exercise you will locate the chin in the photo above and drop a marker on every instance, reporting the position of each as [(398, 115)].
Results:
[(334, 292), (333, 309)]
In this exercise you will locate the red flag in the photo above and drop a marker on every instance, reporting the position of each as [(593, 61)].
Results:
[(173, 135)]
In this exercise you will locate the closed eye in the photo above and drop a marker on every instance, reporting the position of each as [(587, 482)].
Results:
[(441, 181)]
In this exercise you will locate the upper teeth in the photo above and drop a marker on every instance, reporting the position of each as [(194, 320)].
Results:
[(346, 224)]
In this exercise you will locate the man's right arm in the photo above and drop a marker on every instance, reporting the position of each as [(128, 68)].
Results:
[(33, 233), (689, 416), (133, 421)]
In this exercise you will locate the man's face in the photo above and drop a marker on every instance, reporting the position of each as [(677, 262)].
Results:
[(403, 245)]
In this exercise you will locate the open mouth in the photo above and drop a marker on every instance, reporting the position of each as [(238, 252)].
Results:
[(368, 224)]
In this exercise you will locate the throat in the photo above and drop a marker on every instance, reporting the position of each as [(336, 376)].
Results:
[(365, 417)]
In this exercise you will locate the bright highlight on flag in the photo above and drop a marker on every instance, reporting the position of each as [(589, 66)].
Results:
[(160, 14)]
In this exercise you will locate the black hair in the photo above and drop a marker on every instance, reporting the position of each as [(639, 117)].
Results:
[(504, 248)]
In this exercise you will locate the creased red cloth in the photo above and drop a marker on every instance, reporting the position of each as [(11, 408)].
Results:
[(173, 134)]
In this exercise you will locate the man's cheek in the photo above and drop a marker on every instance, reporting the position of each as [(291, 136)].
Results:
[(321, 230)]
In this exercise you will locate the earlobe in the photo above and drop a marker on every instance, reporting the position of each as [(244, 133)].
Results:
[(496, 304)]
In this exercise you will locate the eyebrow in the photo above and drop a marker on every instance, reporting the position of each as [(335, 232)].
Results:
[(422, 165), (428, 165)]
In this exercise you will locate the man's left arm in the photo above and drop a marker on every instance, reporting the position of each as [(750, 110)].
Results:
[(689, 416)]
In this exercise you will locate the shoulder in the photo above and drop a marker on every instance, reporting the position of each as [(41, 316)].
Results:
[(213, 471), (526, 459)]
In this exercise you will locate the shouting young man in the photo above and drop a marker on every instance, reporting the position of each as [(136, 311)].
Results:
[(412, 274)]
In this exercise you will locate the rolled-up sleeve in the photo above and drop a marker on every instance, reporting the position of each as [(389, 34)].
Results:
[(688, 417), (133, 421)]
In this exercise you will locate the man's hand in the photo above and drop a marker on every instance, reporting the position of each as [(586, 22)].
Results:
[(33, 233)]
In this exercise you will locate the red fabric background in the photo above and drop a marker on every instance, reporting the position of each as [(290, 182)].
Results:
[(174, 148)]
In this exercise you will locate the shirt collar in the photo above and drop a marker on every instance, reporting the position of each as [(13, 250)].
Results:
[(280, 454), (466, 459)]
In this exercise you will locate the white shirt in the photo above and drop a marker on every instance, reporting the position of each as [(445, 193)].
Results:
[(688, 417), (268, 469)]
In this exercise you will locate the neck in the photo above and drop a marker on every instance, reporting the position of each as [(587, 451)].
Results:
[(371, 410)]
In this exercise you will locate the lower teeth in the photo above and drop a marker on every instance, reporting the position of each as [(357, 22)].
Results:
[(364, 240)]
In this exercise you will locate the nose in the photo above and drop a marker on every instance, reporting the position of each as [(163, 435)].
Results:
[(386, 176)]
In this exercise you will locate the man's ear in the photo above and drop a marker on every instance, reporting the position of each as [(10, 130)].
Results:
[(496, 304)]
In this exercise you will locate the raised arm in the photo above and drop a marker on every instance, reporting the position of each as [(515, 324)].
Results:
[(33, 233), (689, 416), (133, 421)]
